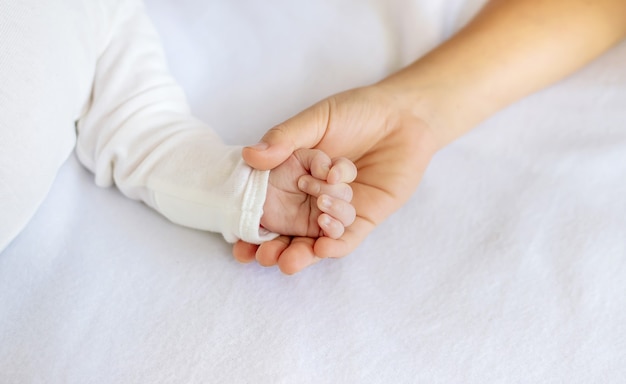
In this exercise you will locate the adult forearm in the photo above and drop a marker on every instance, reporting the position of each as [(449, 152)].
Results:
[(511, 49)]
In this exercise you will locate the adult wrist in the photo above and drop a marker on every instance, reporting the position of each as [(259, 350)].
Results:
[(446, 108)]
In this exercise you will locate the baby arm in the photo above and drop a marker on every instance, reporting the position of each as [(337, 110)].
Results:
[(137, 132), (325, 210)]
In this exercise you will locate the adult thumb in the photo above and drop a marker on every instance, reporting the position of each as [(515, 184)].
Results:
[(304, 130)]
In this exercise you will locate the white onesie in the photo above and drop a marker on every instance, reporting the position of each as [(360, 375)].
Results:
[(91, 74)]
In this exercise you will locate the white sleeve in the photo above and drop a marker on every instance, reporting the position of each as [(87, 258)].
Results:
[(138, 133)]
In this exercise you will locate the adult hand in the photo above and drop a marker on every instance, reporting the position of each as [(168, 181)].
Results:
[(392, 129), (387, 141)]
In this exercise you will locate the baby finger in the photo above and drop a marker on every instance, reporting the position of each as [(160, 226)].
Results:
[(330, 226), (339, 209), (315, 187), (342, 171)]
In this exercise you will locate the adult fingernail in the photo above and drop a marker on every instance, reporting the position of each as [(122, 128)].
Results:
[(260, 146)]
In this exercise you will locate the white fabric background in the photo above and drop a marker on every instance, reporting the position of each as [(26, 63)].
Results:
[(508, 264)]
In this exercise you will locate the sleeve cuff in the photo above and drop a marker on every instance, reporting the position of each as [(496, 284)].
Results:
[(211, 189), (250, 229)]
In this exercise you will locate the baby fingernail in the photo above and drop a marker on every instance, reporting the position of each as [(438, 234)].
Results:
[(333, 176), (302, 184), (326, 203)]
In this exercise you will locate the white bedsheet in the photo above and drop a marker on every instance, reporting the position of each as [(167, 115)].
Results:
[(508, 265)]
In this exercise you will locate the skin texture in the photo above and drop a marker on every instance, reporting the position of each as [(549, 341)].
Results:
[(391, 130), (321, 211)]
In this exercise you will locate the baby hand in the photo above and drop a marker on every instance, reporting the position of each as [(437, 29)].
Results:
[(325, 210)]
